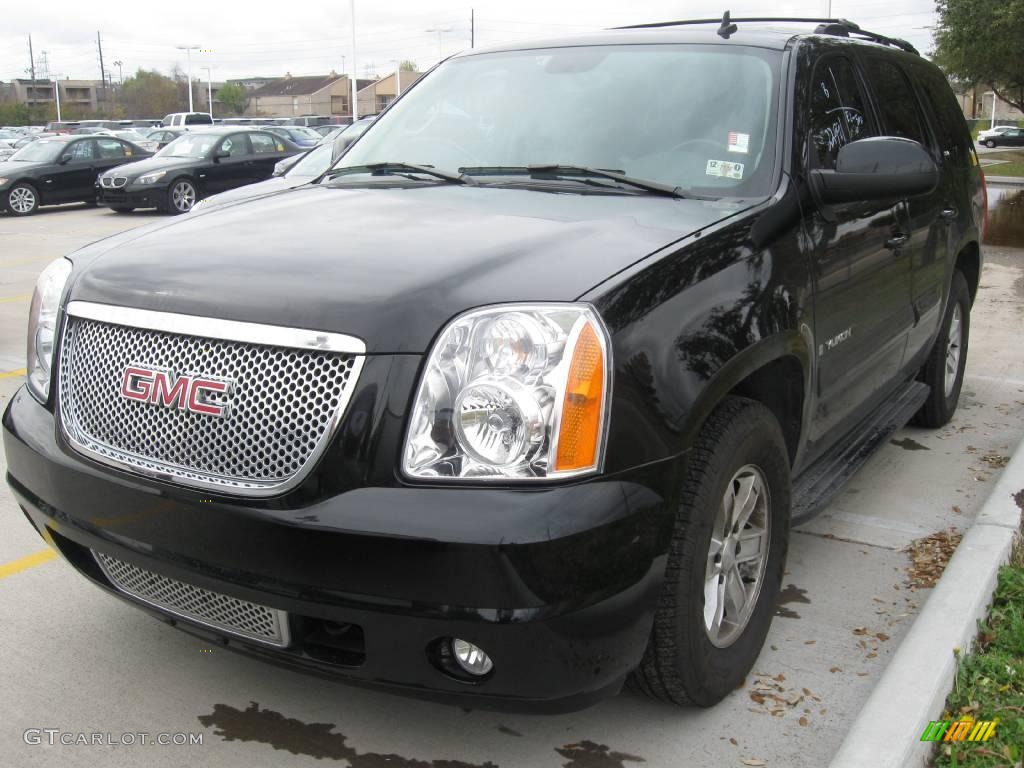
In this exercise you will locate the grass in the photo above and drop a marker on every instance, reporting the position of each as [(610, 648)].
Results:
[(1015, 166), (990, 681)]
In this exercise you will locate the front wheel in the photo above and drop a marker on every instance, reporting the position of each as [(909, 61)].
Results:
[(725, 561), (990, 144), (944, 369), (22, 200), (181, 196)]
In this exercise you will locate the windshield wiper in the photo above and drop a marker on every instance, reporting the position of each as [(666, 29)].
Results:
[(557, 170), (398, 168)]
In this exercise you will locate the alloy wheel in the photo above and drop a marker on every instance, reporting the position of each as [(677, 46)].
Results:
[(183, 196), (954, 347), (22, 200), (737, 556)]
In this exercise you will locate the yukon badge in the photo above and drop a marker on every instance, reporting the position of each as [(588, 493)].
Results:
[(183, 393)]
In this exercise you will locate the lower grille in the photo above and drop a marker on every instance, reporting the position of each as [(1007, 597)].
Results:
[(203, 606)]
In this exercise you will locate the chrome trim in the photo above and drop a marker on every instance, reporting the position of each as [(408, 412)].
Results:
[(280, 618), (227, 330)]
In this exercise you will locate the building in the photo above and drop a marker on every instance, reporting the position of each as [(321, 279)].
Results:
[(977, 102), (252, 83), (84, 96), (376, 96), (314, 95)]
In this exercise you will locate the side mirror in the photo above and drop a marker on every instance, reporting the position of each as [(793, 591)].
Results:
[(878, 168), (64, 159), (220, 154)]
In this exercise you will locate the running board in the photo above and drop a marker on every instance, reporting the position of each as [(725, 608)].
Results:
[(821, 482)]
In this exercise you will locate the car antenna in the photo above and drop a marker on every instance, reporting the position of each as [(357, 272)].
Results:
[(727, 28)]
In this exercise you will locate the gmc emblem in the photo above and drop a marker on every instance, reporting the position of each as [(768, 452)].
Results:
[(183, 393)]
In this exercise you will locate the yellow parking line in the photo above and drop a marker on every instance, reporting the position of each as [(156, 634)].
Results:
[(22, 297), (12, 374), (29, 561)]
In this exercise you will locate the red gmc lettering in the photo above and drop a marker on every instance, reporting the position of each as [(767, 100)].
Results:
[(162, 388)]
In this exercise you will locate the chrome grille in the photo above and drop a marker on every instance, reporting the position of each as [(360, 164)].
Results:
[(204, 606), (115, 182), (282, 409)]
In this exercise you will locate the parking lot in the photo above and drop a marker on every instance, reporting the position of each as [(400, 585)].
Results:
[(77, 660)]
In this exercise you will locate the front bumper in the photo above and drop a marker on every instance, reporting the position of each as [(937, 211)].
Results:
[(558, 585), (129, 196)]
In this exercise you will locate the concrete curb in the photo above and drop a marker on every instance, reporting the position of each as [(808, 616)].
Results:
[(1010, 181), (913, 688)]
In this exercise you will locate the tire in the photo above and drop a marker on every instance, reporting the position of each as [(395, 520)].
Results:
[(121, 209), (944, 369), (990, 144), (181, 196), (22, 199), (683, 664)]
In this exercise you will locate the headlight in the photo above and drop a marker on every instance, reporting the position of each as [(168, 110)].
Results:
[(512, 392), (3, 180), (150, 178), (42, 326)]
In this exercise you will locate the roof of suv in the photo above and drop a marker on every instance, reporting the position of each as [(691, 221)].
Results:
[(776, 35)]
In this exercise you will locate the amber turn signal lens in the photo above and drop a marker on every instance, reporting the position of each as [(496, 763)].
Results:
[(580, 429)]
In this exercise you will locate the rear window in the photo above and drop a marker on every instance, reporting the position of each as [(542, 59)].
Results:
[(947, 117), (198, 120)]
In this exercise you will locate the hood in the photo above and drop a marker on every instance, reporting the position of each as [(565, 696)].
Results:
[(150, 164), (13, 167), (388, 265)]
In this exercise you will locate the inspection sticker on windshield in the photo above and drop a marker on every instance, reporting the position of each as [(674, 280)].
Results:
[(725, 169), (739, 142)]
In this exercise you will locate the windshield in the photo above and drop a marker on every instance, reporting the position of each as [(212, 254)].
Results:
[(315, 162), (305, 133), (194, 145), (41, 151), (700, 117)]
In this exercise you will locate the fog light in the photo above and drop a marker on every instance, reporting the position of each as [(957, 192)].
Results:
[(471, 658)]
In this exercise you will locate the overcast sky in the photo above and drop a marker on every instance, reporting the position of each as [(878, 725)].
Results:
[(267, 38)]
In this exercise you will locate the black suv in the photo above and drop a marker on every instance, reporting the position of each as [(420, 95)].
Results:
[(520, 400)]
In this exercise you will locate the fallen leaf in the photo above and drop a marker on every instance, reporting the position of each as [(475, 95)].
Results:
[(871, 655), (882, 636), (835, 669), (810, 642), (753, 761), (802, 721), (733, 742), (860, 630)]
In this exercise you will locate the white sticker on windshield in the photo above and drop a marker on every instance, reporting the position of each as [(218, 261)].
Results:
[(725, 169), (739, 142)]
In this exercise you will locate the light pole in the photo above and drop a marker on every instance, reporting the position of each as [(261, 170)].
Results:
[(56, 93), (120, 74), (440, 39), (355, 70), (209, 90), (992, 123), (188, 50)]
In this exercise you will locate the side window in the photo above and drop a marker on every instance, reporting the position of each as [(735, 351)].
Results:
[(837, 111), (264, 144), (947, 117), (83, 150), (110, 149), (236, 145), (900, 113)]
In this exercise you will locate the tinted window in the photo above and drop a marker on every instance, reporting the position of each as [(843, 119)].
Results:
[(236, 145), (110, 148), (896, 101), (198, 120), (947, 117), (262, 144), (82, 150), (837, 111)]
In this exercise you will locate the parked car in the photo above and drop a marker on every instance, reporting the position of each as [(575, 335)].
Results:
[(8, 137), (61, 126), (297, 134), (1011, 137), (60, 169), (164, 136), (181, 119), (289, 173), (326, 129), (997, 130), (519, 402), (202, 162), (350, 133)]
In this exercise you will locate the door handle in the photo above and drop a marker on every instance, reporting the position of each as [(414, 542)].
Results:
[(948, 214), (897, 241)]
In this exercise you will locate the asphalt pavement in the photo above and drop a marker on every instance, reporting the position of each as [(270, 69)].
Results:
[(77, 660)]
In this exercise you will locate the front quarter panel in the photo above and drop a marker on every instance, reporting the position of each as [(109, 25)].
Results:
[(690, 325)]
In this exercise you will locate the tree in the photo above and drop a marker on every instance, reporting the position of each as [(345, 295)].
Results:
[(407, 66), (979, 41), (147, 93), (235, 97)]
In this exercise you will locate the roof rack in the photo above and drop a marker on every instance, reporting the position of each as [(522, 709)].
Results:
[(837, 27)]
